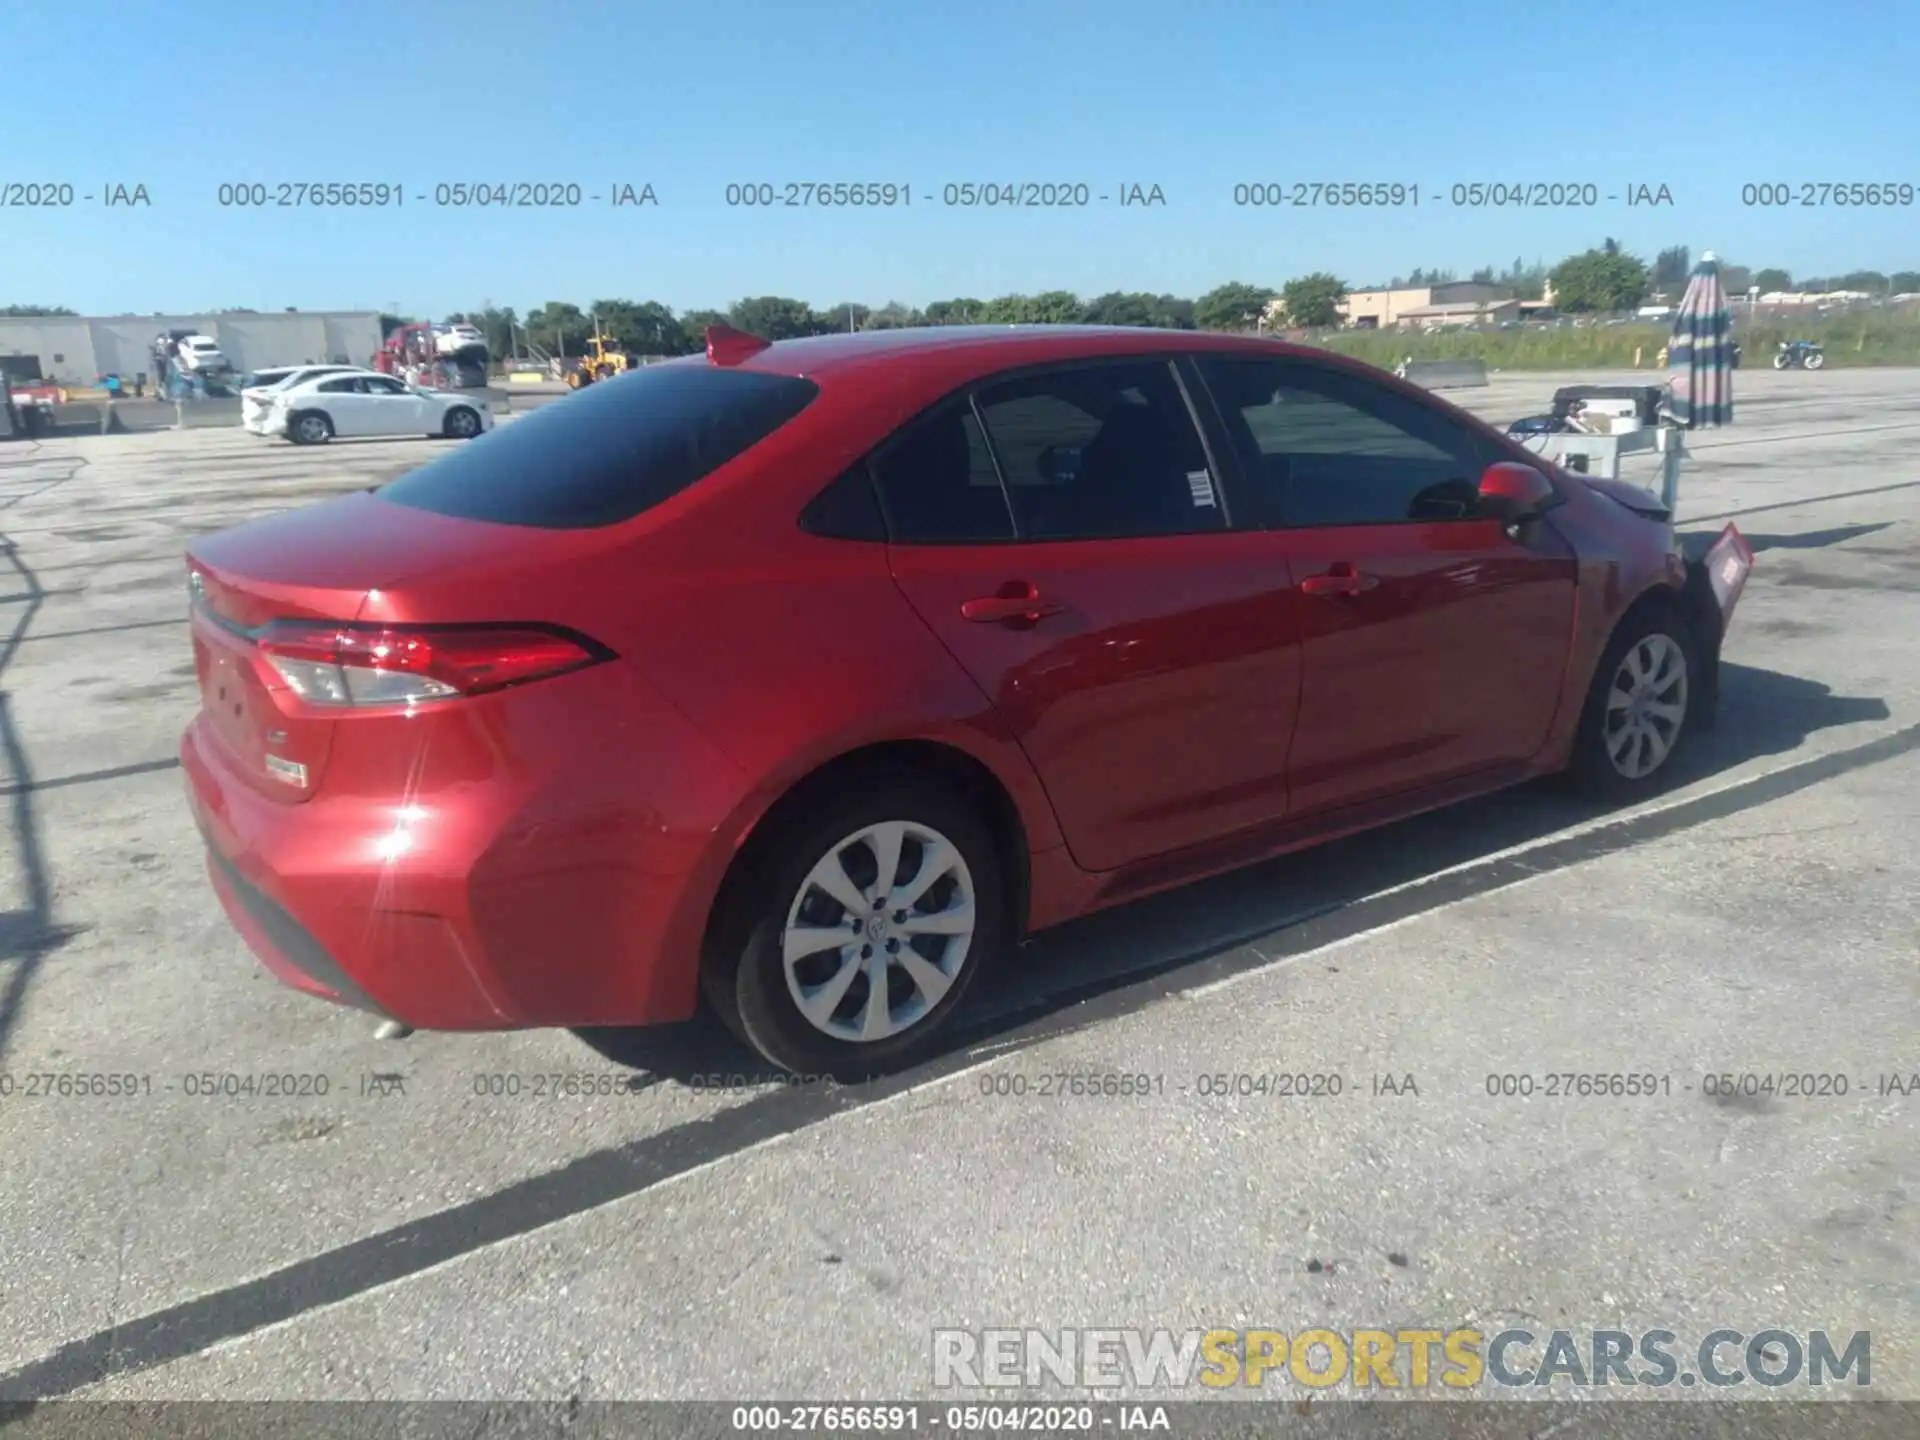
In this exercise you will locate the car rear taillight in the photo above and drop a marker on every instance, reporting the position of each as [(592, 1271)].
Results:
[(405, 664)]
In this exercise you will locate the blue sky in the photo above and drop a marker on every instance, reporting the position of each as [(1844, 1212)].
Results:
[(1191, 95)]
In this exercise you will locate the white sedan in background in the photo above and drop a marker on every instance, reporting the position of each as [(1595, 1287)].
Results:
[(365, 405), (256, 394)]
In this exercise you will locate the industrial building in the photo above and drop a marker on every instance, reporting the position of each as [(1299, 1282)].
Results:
[(78, 350), (1379, 309)]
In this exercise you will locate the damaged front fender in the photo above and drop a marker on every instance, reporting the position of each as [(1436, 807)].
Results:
[(1717, 571)]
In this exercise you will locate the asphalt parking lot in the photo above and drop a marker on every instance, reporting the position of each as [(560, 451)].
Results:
[(407, 1235)]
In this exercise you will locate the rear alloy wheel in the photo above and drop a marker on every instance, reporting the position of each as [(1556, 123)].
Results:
[(1638, 713), (312, 429), (462, 424), (868, 925), (1815, 360)]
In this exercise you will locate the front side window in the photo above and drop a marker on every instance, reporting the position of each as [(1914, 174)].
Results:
[(1322, 447)]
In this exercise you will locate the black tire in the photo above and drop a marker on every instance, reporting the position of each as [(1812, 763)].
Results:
[(1648, 635), (744, 974), (461, 423), (309, 428)]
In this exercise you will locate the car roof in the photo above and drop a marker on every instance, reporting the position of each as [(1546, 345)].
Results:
[(316, 368), (962, 350), (340, 374)]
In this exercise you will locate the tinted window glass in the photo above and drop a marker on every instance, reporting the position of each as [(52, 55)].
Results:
[(846, 510), (380, 385), (338, 387), (1325, 448), (609, 452), (1108, 450), (938, 484)]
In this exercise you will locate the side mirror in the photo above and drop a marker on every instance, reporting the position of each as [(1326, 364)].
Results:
[(1513, 493)]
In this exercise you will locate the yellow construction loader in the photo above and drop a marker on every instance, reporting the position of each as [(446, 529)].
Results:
[(604, 359)]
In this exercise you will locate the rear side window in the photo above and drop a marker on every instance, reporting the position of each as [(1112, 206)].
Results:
[(938, 483), (610, 452)]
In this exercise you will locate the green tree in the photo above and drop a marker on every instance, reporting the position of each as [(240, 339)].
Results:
[(962, 311), (1005, 310), (642, 327), (559, 326), (1671, 267), (1055, 307), (1170, 312), (1871, 281), (25, 312), (773, 317), (693, 329), (1772, 279), (1904, 282), (1524, 281), (893, 316), (1233, 306), (1314, 300), (835, 319), (1599, 280)]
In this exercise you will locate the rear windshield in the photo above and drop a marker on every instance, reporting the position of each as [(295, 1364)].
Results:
[(608, 453)]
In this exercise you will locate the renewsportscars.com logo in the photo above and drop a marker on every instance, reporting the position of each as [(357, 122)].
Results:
[(1398, 1359)]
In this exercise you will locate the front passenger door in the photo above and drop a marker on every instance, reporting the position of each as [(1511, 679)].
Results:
[(394, 407), (347, 404), (1433, 646)]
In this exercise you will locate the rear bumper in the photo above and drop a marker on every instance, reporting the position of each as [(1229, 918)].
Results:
[(541, 894)]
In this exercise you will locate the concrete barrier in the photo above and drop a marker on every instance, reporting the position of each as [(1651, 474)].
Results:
[(1447, 374), (133, 416)]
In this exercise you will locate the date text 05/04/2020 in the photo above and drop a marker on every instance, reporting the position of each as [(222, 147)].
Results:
[(1468, 195), (444, 195), (954, 195)]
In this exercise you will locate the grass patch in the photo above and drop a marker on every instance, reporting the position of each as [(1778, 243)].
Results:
[(1871, 338)]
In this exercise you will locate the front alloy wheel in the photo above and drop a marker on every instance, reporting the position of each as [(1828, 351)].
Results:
[(1639, 709), (1646, 706)]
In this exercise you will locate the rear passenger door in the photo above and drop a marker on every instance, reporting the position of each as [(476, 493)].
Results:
[(1065, 534)]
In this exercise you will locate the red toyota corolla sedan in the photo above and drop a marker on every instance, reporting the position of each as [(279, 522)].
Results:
[(806, 677)]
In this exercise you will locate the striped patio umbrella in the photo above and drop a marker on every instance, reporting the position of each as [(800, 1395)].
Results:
[(1701, 352)]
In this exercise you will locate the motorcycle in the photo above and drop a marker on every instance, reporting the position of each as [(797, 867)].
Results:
[(1799, 355)]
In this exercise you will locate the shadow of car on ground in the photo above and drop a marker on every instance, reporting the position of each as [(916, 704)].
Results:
[(1763, 713)]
